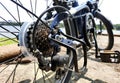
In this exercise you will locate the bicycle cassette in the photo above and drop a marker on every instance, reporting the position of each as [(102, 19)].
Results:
[(42, 43)]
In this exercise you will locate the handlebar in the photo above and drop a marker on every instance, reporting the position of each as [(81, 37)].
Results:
[(93, 4), (63, 1), (66, 3)]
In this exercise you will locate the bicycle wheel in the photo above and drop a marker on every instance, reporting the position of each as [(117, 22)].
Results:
[(81, 51), (14, 14), (89, 35), (105, 38), (42, 31), (12, 70)]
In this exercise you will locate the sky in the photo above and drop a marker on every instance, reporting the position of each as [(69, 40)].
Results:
[(109, 8)]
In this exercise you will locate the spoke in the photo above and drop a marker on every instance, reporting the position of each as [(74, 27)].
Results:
[(35, 6), (8, 37), (22, 5), (7, 61), (18, 13), (13, 72), (4, 68), (24, 8), (48, 5), (36, 75), (43, 76), (9, 12), (9, 23), (6, 40), (36, 72), (8, 31), (47, 77), (31, 5)]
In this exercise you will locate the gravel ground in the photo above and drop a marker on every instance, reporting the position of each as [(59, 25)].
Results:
[(98, 72)]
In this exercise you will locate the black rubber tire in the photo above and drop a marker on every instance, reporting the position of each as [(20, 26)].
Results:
[(71, 30), (68, 75), (109, 28), (87, 36)]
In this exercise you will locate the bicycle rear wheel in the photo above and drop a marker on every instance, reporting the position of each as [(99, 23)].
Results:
[(81, 50), (104, 35), (62, 74), (13, 70), (13, 14)]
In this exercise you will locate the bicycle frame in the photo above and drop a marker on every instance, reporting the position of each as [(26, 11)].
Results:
[(59, 17), (70, 16), (60, 38)]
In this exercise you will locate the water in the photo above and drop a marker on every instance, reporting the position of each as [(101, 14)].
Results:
[(116, 32), (11, 29)]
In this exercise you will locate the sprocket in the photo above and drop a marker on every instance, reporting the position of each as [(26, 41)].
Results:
[(41, 39)]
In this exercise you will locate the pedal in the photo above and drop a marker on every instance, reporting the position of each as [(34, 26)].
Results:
[(110, 56)]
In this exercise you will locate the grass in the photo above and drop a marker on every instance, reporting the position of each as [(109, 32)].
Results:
[(6, 41)]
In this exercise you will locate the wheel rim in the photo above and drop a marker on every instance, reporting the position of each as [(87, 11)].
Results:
[(13, 67), (62, 78), (102, 35), (12, 72), (13, 16)]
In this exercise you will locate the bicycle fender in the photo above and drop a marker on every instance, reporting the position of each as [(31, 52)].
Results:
[(97, 14)]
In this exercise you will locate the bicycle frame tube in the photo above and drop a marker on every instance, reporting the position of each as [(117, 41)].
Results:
[(58, 18), (74, 11), (77, 9)]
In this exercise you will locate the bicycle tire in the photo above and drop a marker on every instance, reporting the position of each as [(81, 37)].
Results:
[(64, 77), (89, 33), (88, 30), (109, 28), (16, 78), (73, 31), (12, 15)]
